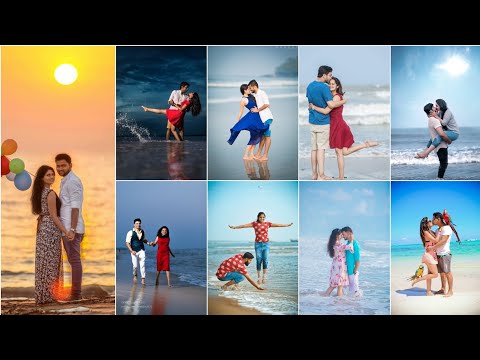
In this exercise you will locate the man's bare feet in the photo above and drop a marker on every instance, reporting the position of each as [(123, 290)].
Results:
[(259, 281), (143, 281), (324, 177), (264, 280), (450, 293), (429, 293), (135, 278), (224, 287)]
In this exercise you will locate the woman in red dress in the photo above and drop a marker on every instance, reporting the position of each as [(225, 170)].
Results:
[(341, 137), (163, 253), (175, 116)]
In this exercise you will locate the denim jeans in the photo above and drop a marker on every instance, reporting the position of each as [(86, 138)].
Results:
[(451, 135), (261, 251), (235, 276)]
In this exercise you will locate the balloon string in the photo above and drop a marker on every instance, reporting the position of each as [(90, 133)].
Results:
[(23, 169)]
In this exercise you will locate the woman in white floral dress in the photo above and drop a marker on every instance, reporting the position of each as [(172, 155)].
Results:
[(338, 271)]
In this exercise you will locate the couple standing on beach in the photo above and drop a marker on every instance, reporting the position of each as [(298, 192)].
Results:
[(257, 121), (180, 103), (135, 243), (327, 126), (437, 255), (234, 269), (345, 264), (443, 130), (59, 218)]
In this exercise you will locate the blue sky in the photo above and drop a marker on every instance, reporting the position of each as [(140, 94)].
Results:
[(412, 200), (147, 75), (179, 205), (233, 62), (239, 202), (362, 205), (422, 74), (353, 65)]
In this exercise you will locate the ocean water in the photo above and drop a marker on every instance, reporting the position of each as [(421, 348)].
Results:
[(97, 248), (367, 112), (466, 249), (224, 160), (144, 154), (463, 155), (281, 295), (314, 278), (188, 264)]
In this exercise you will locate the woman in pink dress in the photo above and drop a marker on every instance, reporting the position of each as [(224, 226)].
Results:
[(429, 256), (341, 137), (338, 271), (175, 116), (163, 253)]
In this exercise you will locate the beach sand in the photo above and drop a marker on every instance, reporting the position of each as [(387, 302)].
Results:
[(134, 299), (98, 300), (356, 168), (219, 305), (406, 300)]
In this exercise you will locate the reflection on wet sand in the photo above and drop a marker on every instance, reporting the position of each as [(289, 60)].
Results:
[(132, 305), (250, 169)]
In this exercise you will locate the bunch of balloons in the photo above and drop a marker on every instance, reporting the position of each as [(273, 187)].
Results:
[(14, 170)]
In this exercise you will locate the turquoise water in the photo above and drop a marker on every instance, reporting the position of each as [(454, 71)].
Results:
[(465, 249)]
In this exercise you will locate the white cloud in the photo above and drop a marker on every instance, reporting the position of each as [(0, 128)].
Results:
[(365, 191), (362, 208), (340, 195), (319, 192)]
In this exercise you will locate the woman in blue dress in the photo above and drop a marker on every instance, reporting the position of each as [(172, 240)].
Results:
[(251, 122)]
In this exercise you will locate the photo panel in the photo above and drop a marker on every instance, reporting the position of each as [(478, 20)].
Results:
[(344, 253), (344, 112), (58, 192), (161, 248), (252, 112), (161, 126)]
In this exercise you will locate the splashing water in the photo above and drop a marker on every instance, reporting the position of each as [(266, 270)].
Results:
[(123, 122)]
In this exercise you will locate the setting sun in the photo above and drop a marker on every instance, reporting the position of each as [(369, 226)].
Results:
[(66, 74)]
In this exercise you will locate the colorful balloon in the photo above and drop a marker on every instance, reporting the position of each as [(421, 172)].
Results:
[(9, 146), (5, 165), (17, 166), (23, 181), (11, 176)]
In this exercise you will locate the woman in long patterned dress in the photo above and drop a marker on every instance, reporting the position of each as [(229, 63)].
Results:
[(48, 251), (163, 253), (338, 271)]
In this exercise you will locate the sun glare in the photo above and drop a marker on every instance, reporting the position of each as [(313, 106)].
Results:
[(455, 65), (66, 74)]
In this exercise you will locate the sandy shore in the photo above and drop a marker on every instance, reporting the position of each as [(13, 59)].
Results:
[(408, 300), (223, 306), (98, 300), (356, 168)]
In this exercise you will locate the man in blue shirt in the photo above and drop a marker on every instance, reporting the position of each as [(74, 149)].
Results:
[(353, 262), (318, 94)]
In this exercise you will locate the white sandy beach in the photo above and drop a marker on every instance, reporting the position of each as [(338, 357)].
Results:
[(406, 300)]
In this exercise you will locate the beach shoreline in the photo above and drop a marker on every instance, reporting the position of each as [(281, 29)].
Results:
[(219, 305)]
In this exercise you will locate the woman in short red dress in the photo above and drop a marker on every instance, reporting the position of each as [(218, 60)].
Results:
[(163, 253), (341, 137), (176, 116)]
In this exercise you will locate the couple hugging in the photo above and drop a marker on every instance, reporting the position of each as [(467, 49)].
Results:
[(345, 264), (437, 255), (59, 220), (327, 126), (257, 121)]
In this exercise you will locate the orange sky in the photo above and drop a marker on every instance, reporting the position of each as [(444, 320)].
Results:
[(37, 111)]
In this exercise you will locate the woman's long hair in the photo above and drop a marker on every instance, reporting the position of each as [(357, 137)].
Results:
[(260, 213), (424, 227), (332, 241), (195, 105), (442, 105), (37, 189), (159, 232), (339, 84), (244, 87)]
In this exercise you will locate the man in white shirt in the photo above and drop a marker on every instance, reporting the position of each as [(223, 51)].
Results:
[(444, 255), (135, 240), (263, 107), (71, 196), (176, 98)]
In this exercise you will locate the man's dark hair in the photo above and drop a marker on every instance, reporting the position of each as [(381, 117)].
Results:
[(253, 83), (184, 83), (324, 70), (427, 108), (347, 229), (137, 219), (65, 157), (247, 255), (437, 215)]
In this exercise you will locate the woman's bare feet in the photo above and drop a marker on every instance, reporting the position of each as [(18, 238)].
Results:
[(429, 293), (314, 177), (324, 177), (450, 293)]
